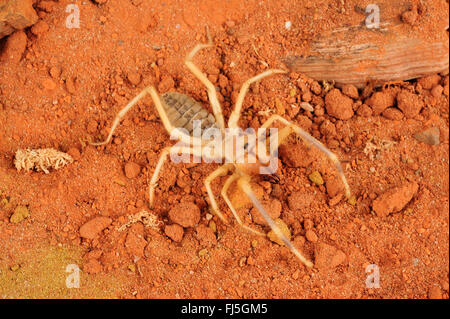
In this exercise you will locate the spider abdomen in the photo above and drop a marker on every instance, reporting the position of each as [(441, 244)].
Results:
[(183, 110)]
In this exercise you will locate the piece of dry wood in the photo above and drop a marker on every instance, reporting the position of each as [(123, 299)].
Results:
[(380, 56)]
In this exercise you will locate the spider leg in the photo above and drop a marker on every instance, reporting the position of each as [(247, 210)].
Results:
[(211, 89), (312, 141), (162, 159), (227, 184), (221, 171), (245, 186), (155, 97), (235, 115)]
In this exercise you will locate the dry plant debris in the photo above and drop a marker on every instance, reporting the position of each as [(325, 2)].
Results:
[(145, 217), (41, 159)]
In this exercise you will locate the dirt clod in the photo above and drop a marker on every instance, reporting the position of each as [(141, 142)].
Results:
[(328, 257), (339, 105), (272, 207), (350, 90), (395, 199), (132, 170), (311, 236), (14, 48), (174, 232), (135, 243), (429, 82), (300, 200), (409, 103), (185, 214), (379, 101), (16, 15), (206, 236), (334, 186), (92, 228)]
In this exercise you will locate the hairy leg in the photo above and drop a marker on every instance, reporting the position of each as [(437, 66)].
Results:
[(221, 171), (235, 115), (245, 186), (162, 113), (211, 89), (311, 141), (227, 184), (162, 159)]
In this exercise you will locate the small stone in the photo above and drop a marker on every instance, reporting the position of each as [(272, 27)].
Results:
[(15, 267), (311, 236), (430, 136), (55, 72), (338, 105), (174, 232), (49, 84), (328, 257), (351, 91), (20, 213), (203, 252), (284, 230), (134, 78), (14, 47), (395, 199), (132, 170), (352, 200), (132, 267), (288, 25), (273, 208), (185, 214), (428, 82), (93, 227), (206, 236), (437, 91), (379, 101), (316, 178), (39, 28), (410, 104)]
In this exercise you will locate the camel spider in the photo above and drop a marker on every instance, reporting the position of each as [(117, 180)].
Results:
[(178, 110)]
